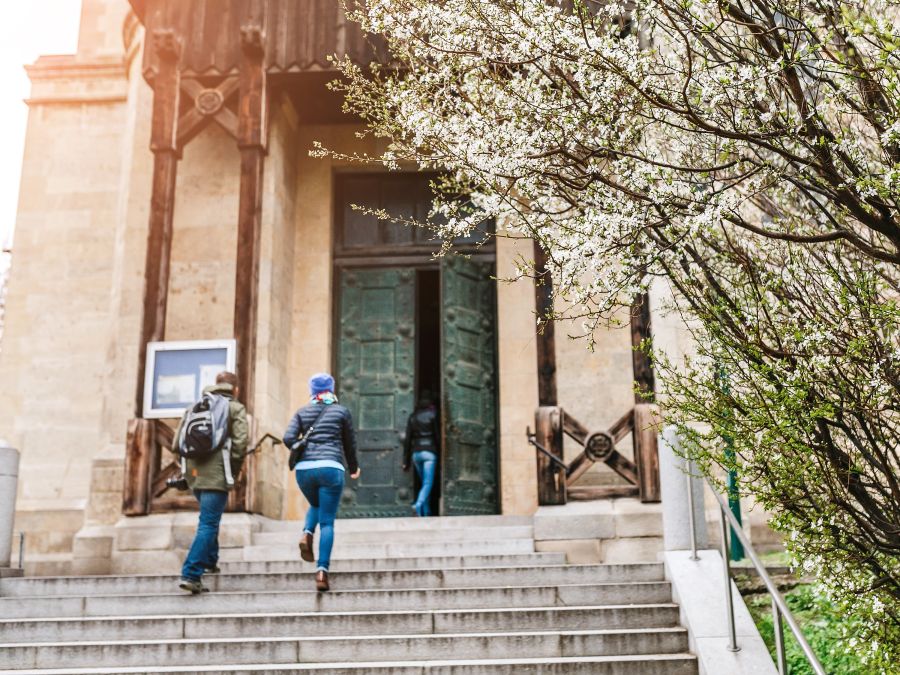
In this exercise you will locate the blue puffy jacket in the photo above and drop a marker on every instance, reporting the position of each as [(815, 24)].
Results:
[(332, 438)]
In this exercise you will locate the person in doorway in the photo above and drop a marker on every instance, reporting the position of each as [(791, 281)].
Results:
[(421, 446), (210, 477), (324, 430)]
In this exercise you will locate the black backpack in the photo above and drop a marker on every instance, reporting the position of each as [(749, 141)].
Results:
[(205, 427)]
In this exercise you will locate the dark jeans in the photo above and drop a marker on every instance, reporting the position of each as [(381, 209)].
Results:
[(322, 488), (204, 552), (426, 465)]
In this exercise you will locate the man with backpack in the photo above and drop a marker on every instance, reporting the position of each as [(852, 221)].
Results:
[(212, 442)]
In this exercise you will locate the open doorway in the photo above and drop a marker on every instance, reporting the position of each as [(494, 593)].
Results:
[(428, 353)]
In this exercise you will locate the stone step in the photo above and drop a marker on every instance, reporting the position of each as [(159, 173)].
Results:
[(336, 601), (373, 580), (364, 565), (388, 549), (410, 536), (376, 648), (342, 525), (656, 664), (415, 622)]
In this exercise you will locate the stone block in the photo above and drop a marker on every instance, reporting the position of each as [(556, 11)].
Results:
[(48, 564), (107, 477), (147, 562), (235, 536), (91, 566), (576, 520), (104, 507), (698, 587), (93, 543), (578, 551), (183, 535), (139, 538), (634, 519), (632, 549)]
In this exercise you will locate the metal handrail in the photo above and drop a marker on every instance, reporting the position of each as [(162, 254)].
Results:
[(532, 440), (779, 606)]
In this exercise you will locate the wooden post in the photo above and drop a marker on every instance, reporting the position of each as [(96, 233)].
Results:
[(163, 144), (642, 367), (548, 423), (251, 141), (646, 452), (139, 452), (646, 422), (546, 338)]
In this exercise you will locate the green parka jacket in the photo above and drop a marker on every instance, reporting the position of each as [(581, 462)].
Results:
[(209, 473)]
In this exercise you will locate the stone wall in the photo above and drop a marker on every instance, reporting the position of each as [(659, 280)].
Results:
[(53, 361), (275, 338), (518, 378)]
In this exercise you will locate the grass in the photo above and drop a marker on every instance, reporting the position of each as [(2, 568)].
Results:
[(821, 625)]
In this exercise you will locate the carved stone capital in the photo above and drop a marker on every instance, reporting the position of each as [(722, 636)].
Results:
[(252, 40), (166, 44)]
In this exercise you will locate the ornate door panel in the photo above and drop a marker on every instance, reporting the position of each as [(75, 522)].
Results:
[(469, 396), (376, 380)]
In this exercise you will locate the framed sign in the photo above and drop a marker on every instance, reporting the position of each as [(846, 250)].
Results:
[(177, 372)]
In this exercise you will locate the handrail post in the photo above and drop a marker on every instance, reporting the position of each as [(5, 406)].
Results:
[(729, 603), (770, 585), (691, 516), (551, 482), (9, 480), (780, 656)]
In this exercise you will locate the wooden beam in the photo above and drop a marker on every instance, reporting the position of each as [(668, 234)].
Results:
[(546, 337), (167, 504), (615, 461), (138, 457), (171, 470), (642, 367), (251, 141), (588, 493), (549, 433), (646, 452), (163, 144), (210, 104), (575, 429), (622, 426)]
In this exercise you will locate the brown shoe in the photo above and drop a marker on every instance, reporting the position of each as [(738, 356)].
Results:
[(322, 580), (306, 547)]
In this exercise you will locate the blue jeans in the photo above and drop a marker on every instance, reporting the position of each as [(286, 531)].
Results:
[(426, 465), (204, 551), (322, 488)]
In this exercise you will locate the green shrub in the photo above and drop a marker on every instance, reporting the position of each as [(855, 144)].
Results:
[(824, 626)]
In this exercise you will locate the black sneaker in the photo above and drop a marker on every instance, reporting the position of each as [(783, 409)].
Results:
[(193, 586), (215, 569)]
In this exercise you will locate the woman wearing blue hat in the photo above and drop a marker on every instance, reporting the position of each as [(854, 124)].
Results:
[(323, 448)]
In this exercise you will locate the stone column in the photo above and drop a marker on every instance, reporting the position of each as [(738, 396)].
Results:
[(9, 475), (675, 504)]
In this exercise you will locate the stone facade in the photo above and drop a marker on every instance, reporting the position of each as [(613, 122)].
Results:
[(69, 354)]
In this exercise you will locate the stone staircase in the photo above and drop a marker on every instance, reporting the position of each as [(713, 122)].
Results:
[(463, 595)]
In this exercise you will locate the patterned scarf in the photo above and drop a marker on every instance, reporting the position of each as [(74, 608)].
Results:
[(326, 397)]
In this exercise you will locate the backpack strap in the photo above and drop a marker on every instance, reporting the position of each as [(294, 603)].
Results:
[(226, 461), (312, 427)]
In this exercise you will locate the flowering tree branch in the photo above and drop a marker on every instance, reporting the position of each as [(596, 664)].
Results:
[(748, 152)]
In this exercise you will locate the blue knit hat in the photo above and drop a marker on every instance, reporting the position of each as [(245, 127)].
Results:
[(320, 382)]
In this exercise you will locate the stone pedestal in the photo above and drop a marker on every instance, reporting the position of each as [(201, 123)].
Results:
[(673, 479), (9, 476)]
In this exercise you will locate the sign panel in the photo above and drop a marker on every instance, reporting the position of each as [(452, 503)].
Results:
[(177, 373)]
